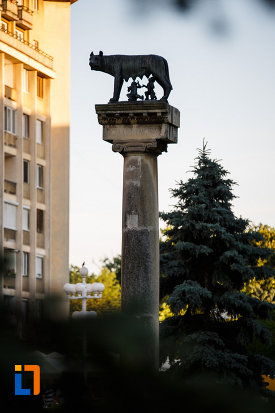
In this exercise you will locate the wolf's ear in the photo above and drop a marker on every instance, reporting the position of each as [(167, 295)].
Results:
[(100, 53), (92, 53)]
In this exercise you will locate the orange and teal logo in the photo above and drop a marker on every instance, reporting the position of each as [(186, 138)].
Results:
[(18, 380)]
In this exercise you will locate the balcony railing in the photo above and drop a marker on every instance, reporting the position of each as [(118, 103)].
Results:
[(9, 234), (26, 145), (26, 237), (25, 17), (40, 241), (40, 285), (25, 283), (9, 187), (41, 195), (9, 281), (30, 50), (9, 139), (40, 150), (26, 190), (9, 9), (10, 93)]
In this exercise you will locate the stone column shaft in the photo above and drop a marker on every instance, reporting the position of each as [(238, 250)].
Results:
[(140, 233), (140, 251)]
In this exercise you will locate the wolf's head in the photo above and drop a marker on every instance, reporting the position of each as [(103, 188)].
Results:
[(96, 61)]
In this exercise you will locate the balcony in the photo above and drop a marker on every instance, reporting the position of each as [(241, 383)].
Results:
[(28, 49), (10, 93), (40, 286), (26, 190), (25, 283), (40, 241), (9, 281), (9, 187), (25, 18), (40, 151), (9, 9), (26, 145), (9, 234), (9, 139), (26, 237), (40, 195)]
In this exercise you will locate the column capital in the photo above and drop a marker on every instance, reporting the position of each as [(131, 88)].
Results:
[(133, 127), (156, 147)]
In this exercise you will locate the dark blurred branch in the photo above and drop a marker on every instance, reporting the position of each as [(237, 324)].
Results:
[(187, 5)]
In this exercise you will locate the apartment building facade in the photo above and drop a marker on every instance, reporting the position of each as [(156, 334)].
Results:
[(34, 150)]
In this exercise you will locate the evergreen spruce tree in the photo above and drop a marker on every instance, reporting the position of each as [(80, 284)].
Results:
[(207, 257)]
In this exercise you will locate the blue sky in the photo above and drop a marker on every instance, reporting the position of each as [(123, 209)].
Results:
[(224, 87)]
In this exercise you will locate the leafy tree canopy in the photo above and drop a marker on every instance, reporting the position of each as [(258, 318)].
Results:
[(207, 257), (264, 289), (114, 265)]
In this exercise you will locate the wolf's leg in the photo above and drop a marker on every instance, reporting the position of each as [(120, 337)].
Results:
[(117, 88), (167, 87), (165, 84)]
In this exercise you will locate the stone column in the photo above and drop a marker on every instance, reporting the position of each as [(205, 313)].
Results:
[(140, 131)]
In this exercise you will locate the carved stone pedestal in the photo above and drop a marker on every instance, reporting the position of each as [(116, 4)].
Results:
[(140, 131)]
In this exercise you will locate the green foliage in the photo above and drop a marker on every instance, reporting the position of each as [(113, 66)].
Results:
[(111, 296), (207, 257), (75, 276), (164, 310), (264, 289), (114, 265), (92, 380), (257, 346)]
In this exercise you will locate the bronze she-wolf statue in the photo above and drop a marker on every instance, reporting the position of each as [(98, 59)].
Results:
[(122, 67)]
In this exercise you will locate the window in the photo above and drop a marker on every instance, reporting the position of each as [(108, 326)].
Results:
[(25, 264), (26, 126), (19, 34), (39, 176), (39, 131), (26, 171), (10, 216), (26, 80), (40, 221), (40, 89), (39, 266), (10, 120), (4, 26), (26, 219)]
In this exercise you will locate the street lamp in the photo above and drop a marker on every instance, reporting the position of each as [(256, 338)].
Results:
[(83, 291)]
